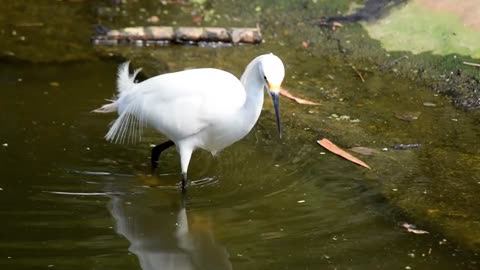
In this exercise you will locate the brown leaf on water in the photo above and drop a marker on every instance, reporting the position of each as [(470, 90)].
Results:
[(339, 151), (287, 94)]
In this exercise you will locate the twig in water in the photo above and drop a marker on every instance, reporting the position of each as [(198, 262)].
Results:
[(471, 64), (394, 62), (359, 74)]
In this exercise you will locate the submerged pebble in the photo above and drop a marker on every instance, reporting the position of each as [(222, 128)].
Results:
[(406, 146), (407, 116), (344, 117)]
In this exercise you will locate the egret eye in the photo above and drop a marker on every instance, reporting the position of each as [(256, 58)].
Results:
[(265, 77)]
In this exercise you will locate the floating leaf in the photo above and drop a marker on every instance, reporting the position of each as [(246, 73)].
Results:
[(339, 151), (287, 94)]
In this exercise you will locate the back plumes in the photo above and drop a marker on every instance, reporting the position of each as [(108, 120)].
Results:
[(129, 124), (125, 81)]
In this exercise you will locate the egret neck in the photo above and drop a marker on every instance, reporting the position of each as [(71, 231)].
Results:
[(254, 79), (254, 83)]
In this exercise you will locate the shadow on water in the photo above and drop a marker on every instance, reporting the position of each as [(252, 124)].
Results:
[(162, 234)]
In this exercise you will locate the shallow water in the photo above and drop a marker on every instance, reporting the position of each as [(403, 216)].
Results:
[(70, 200)]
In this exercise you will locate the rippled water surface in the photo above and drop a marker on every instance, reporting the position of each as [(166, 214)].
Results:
[(70, 200)]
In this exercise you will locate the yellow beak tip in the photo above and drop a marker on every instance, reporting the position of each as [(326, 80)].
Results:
[(274, 87)]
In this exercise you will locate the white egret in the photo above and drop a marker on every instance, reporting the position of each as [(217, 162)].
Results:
[(199, 108)]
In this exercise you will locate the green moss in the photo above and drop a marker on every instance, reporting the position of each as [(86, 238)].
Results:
[(417, 29)]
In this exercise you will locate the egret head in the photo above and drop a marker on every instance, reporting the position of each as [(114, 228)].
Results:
[(273, 71)]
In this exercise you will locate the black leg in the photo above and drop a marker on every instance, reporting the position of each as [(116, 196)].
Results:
[(156, 151), (184, 182)]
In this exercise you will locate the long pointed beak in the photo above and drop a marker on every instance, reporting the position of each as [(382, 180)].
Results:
[(276, 105)]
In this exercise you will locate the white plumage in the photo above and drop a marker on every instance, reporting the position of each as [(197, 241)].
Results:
[(200, 108)]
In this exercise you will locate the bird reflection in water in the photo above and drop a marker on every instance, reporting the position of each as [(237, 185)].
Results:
[(157, 225)]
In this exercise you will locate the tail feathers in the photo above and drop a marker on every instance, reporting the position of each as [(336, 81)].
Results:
[(128, 127), (108, 108), (125, 81)]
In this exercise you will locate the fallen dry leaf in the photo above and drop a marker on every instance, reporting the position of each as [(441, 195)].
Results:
[(287, 94), (412, 228), (339, 151)]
